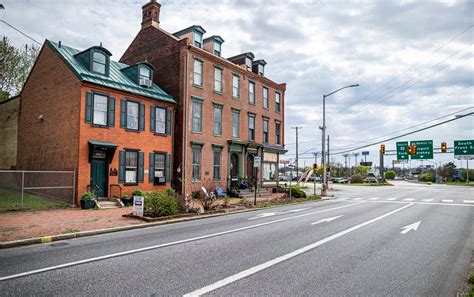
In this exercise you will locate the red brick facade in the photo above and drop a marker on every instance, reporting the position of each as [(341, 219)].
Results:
[(173, 57), (60, 139)]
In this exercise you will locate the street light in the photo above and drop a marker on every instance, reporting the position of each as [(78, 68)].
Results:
[(323, 128)]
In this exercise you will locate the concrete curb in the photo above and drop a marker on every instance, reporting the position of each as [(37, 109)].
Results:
[(48, 239)]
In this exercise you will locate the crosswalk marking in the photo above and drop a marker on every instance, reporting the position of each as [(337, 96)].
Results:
[(358, 198), (374, 198), (391, 199), (468, 201), (427, 200), (408, 199), (447, 200)]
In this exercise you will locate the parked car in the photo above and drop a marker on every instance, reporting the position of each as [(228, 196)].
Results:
[(370, 179)]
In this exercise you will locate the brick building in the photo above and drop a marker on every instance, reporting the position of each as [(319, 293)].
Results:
[(8, 132), (228, 111), (107, 120)]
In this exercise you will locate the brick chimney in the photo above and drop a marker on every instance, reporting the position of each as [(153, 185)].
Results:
[(151, 14)]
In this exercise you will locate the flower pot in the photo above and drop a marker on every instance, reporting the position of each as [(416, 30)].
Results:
[(87, 204)]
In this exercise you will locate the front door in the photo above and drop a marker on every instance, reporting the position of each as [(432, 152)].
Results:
[(98, 177), (250, 169)]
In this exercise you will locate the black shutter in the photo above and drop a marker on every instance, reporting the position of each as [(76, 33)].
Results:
[(151, 175), (111, 112), (152, 119), (167, 168), (141, 123), (168, 121), (141, 165), (89, 107), (123, 113), (121, 176)]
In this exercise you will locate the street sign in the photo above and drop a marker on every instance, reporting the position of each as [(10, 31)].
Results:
[(402, 150), (256, 162), (424, 149), (464, 149), (365, 153), (365, 163), (138, 203)]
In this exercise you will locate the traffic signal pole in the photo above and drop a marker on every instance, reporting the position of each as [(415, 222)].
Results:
[(382, 173)]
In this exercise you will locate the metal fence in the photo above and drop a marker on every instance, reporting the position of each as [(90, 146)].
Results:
[(20, 186)]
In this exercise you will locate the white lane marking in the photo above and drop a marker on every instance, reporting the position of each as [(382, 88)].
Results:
[(427, 200), (391, 199), (408, 199), (424, 203), (408, 228), (326, 220), (343, 198), (468, 201), (166, 244), (258, 268), (374, 198), (357, 198), (447, 200)]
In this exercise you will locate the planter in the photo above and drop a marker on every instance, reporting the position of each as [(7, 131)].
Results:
[(87, 204)]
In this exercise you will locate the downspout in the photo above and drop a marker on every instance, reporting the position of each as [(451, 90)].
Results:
[(185, 126)]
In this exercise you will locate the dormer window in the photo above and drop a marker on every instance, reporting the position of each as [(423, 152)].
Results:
[(217, 48), (145, 72), (99, 62), (197, 36), (261, 69), (248, 62)]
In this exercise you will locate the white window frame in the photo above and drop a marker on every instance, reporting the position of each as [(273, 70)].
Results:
[(235, 126), (198, 69), (277, 101), (265, 97), (159, 123), (129, 116), (218, 73), (96, 62), (98, 111), (196, 116), (252, 92), (130, 168), (197, 39), (235, 86), (217, 122)]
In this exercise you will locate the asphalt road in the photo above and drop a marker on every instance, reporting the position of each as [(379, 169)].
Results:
[(355, 244)]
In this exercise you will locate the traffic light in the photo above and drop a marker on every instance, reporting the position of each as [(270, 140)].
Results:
[(444, 148), (413, 149), (410, 150), (315, 166), (382, 149)]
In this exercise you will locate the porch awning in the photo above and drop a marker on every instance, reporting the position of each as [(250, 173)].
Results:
[(102, 144)]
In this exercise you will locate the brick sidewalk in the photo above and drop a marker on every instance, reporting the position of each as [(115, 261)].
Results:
[(29, 224)]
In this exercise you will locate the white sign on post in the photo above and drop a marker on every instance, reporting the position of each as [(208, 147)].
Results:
[(138, 203), (256, 162)]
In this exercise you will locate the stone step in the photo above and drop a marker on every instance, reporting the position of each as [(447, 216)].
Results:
[(108, 204)]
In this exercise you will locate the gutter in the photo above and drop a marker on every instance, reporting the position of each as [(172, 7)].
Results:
[(185, 144)]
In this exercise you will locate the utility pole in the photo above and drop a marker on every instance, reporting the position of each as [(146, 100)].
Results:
[(297, 167), (329, 169), (345, 161), (382, 175)]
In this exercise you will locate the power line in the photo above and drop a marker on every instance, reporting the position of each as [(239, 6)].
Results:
[(409, 68), (21, 32), (414, 126), (406, 134)]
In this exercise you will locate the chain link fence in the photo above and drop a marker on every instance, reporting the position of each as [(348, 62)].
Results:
[(36, 189)]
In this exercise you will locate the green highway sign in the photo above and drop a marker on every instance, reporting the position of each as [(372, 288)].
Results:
[(424, 149), (402, 150), (464, 149)]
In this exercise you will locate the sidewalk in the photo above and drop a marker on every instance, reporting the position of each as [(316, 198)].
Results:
[(29, 224)]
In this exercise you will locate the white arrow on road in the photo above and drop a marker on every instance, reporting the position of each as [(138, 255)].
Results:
[(408, 228), (264, 215), (326, 220), (296, 210)]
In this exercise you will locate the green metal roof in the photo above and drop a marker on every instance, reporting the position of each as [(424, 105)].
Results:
[(117, 79)]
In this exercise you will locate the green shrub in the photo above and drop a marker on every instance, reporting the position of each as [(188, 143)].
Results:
[(390, 174), (426, 177), (158, 204), (296, 192), (357, 179), (170, 192), (138, 193), (88, 196), (125, 196)]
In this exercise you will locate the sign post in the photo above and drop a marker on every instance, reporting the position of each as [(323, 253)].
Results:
[(256, 164), (402, 150), (365, 154), (424, 149), (138, 203)]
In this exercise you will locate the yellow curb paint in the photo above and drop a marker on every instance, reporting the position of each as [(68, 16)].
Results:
[(46, 239)]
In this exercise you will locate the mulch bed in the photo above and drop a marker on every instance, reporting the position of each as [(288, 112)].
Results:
[(183, 215)]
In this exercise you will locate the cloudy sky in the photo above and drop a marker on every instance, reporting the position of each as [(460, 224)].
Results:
[(413, 60)]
